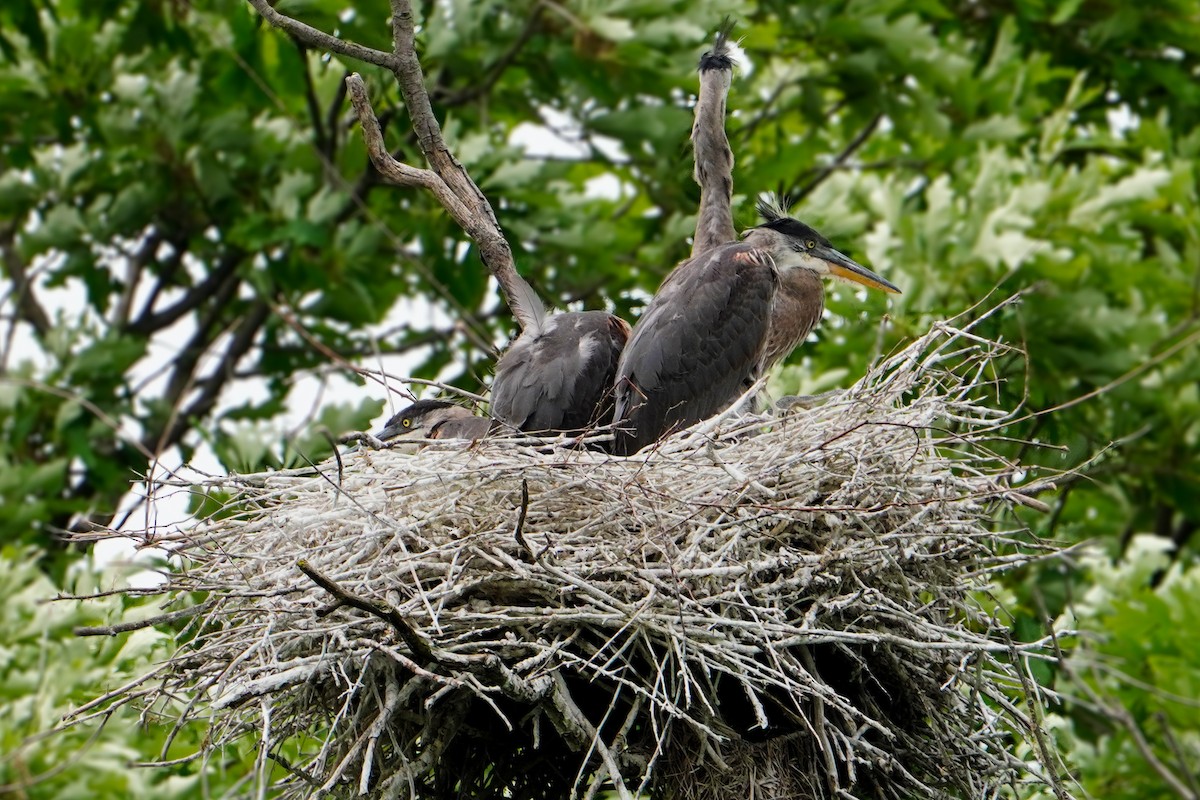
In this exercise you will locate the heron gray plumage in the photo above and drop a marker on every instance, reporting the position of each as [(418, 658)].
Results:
[(720, 321), (434, 419), (558, 376)]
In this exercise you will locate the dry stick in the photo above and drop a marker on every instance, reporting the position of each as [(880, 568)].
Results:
[(519, 530), (826, 171), (1036, 726), (391, 702), (85, 403), (819, 728), (323, 41), (480, 224), (294, 770), (1173, 743), (532, 26), (377, 608), (72, 717), (574, 722), (476, 218), (73, 760), (126, 627)]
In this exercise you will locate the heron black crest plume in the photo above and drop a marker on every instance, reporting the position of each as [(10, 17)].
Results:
[(719, 57), (773, 207)]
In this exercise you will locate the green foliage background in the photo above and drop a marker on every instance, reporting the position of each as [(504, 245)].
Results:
[(190, 179)]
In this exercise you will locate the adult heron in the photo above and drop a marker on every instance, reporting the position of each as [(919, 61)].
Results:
[(559, 374), (721, 320)]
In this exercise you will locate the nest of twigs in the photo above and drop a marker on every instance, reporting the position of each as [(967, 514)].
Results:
[(791, 605)]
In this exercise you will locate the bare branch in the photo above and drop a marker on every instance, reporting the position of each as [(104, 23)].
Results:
[(149, 320), (519, 529), (447, 179), (858, 141), (323, 41), (470, 209), (377, 608), (452, 187), (331, 116), (1116, 712), (311, 102), (137, 625), (135, 265), (479, 88), (210, 387), (28, 306), (396, 171), (113, 424), (1037, 728)]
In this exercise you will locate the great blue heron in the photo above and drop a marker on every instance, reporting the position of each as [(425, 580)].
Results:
[(558, 376), (434, 419), (721, 320)]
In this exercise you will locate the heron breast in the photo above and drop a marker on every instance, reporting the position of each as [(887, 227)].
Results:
[(797, 309)]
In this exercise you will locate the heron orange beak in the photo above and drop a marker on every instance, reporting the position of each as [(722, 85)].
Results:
[(846, 268)]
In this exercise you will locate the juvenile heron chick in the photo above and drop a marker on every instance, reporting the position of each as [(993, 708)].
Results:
[(434, 419), (720, 320)]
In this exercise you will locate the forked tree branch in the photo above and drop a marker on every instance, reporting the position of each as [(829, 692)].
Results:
[(446, 177), (26, 303), (321, 40)]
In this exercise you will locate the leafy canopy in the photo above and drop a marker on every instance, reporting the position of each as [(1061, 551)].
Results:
[(189, 224)]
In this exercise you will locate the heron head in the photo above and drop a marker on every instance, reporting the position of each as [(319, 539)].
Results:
[(796, 245), (420, 420)]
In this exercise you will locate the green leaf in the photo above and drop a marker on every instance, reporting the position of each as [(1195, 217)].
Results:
[(23, 14), (107, 359)]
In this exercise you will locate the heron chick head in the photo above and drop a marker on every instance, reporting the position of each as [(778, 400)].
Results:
[(421, 419)]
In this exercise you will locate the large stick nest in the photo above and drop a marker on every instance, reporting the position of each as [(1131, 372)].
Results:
[(781, 606)]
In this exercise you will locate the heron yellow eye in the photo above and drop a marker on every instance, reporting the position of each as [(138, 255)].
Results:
[(407, 423), (810, 244)]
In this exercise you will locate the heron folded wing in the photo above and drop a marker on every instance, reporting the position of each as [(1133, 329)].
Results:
[(698, 345), (558, 380)]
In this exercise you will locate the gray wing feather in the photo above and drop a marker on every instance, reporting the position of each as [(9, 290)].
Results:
[(698, 346), (526, 305), (559, 379)]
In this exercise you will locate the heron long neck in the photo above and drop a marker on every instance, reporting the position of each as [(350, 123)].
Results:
[(714, 159), (796, 311)]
